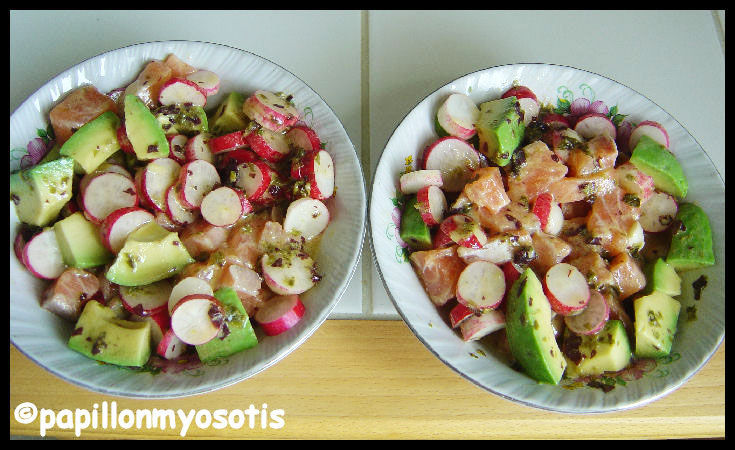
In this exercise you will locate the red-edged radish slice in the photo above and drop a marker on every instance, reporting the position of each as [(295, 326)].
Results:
[(457, 116), (455, 158), (635, 182), (319, 171), (519, 92), (479, 326), (555, 220), (157, 176), (432, 205), (511, 273), (649, 128), (165, 221), (481, 285), (411, 182), (171, 347), (120, 223), (594, 124), (527, 101), (268, 145), (286, 275), (254, 178), (307, 217), (206, 79), (228, 142), (464, 231), (188, 286), (160, 324), (177, 213), (239, 156), (179, 91), (271, 111), (123, 141), (498, 249), (197, 319), (177, 144), (42, 256), (458, 314), (542, 207), (303, 137), (24, 235), (142, 197), (279, 314), (441, 240), (103, 168), (566, 289), (556, 121), (198, 148), (106, 193), (197, 178), (224, 206), (592, 318), (658, 212), (146, 300)]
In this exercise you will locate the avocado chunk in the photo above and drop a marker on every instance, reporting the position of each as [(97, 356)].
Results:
[(150, 254), (656, 316), (53, 154), (691, 244), (529, 330), (661, 277), (80, 242), (414, 230), (144, 131), (182, 119), (608, 350), (237, 332), (659, 163), (99, 334), (229, 116), (41, 191), (500, 129), (94, 142)]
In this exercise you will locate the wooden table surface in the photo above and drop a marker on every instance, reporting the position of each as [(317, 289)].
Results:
[(375, 380)]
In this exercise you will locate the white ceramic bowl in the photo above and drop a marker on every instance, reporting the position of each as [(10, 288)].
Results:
[(695, 340), (42, 336)]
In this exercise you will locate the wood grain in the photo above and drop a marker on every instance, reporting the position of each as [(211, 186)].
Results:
[(375, 380)]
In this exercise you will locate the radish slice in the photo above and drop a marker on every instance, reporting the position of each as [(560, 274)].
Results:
[(197, 178), (649, 128), (198, 148), (479, 326), (455, 158), (464, 231), (481, 285), (160, 324), (42, 256), (530, 109), (103, 168), (566, 289), (599, 107), (146, 300), (658, 212), (593, 318), (224, 206), (542, 208), (307, 217), (555, 220), (239, 156), (254, 178), (288, 275), (511, 272), (519, 92), (442, 239), (432, 204), (177, 144), (411, 182), (165, 221), (319, 171), (123, 141), (188, 286), (271, 111), (457, 116), (120, 223), (579, 106), (175, 210), (207, 80), (498, 250), (156, 178), (304, 138), (556, 121), (180, 90), (228, 142), (280, 314), (270, 146), (594, 124), (197, 319), (106, 193), (459, 314), (171, 347)]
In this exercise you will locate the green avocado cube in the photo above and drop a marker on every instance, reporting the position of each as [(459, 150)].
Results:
[(94, 142), (80, 242), (414, 231), (41, 191), (500, 129), (608, 350), (144, 131), (659, 163), (662, 277), (691, 244), (656, 316), (229, 117), (237, 332), (182, 119)]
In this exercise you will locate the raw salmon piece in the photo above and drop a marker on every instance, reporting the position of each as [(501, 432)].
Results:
[(240, 278), (242, 243), (487, 191), (438, 271), (179, 69), (252, 303), (575, 233), (573, 189), (201, 238), (515, 216), (612, 220), (635, 182), (530, 178), (82, 105), (627, 274), (594, 268), (149, 83), (617, 311), (550, 250), (600, 154), (69, 293), (579, 208)]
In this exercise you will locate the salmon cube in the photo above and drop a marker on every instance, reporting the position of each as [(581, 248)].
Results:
[(240, 278), (179, 69), (201, 238), (612, 221), (438, 271), (487, 191), (514, 217), (627, 274), (550, 250), (600, 154), (149, 83), (594, 268), (81, 106), (573, 189), (537, 170), (69, 293)]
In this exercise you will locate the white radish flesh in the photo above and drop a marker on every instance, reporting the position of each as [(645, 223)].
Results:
[(432, 205), (254, 178), (160, 324), (455, 158), (594, 124), (479, 326), (42, 256), (177, 145), (566, 289), (198, 148), (592, 318), (197, 178), (171, 347), (411, 182), (464, 231), (146, 300), (180, 90), (320, 173), (176, 211), (497, 250), (120, 223), (156, 178), (458, 314), (206, 79), (306, 217), (197, 319), (649, 128), (224, 206), (303, 137), (188, 286), (270, 110), (279, 314), (107, 192), (658, 212), (457, 116), (554, 220), (481, 285), (286, 275), (268, 145), (530, 109)]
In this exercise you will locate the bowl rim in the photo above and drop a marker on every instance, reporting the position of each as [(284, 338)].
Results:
[(625, 406), (284, 351)]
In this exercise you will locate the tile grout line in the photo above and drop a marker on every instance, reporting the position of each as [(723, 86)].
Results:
[(367, 273)]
